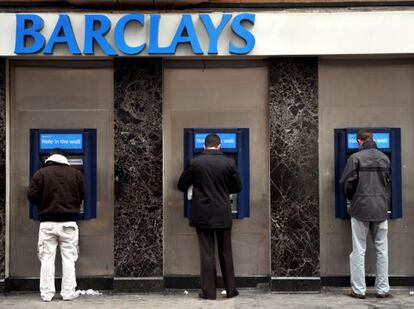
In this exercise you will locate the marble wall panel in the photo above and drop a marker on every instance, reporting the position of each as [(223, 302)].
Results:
[(138, 168), (2, 165), (293, 112)]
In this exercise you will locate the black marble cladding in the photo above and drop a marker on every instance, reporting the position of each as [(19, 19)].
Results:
[(293, 114), (2, 164), (138, 168)]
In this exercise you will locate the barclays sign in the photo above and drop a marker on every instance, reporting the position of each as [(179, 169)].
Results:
[(99, 31)]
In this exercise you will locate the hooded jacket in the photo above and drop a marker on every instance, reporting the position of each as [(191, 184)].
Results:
[(366, 182), (213, 176), (57, 190)]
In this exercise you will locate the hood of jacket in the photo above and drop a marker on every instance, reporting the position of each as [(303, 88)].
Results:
[(57, 158), (368, 145)]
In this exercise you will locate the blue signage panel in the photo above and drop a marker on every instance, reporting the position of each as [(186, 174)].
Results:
[(382, 140), (228, 140), (62, 141)]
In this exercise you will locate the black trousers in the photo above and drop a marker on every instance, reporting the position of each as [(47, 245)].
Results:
[(208, 261)]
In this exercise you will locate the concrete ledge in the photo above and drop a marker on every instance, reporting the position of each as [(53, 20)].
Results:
[(32, 284), (295, 284), (344, 281), (193, 282), (158, 284), (140, 284)]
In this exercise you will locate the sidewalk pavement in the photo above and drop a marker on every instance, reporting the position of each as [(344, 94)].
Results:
[(248, 298)]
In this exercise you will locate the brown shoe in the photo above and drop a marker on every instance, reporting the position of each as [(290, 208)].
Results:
[(384, 295), (355, 295), (204, 296), (234, 294)]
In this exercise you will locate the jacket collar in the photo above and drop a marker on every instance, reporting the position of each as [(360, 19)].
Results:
[(211, 151), (368, 145), (57, 158)]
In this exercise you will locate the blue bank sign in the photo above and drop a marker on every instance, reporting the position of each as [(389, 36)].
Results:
[(133, 34)]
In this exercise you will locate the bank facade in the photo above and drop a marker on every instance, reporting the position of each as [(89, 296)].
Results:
[(139, 78)]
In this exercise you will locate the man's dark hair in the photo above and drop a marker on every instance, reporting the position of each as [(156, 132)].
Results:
[(212, 140), (57, 151), (364, 135)]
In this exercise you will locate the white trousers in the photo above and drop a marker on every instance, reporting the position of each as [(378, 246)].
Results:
[(66, 234), (379, 232)]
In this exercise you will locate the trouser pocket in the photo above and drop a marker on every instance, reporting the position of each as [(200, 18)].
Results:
[(70, 240)]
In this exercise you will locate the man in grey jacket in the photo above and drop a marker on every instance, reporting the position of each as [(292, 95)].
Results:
[(366, 182)]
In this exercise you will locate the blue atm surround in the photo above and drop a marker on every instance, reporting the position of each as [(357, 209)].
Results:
[(388, 141), (235, 143), (80, 148)]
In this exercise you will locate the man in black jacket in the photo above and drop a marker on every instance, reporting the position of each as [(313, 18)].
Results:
[(366, 184), (214, 177), (57, 190)]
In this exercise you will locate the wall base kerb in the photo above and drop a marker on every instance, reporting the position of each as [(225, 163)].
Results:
[(193, 282), (344, 281), (159, 284), (295, 284)]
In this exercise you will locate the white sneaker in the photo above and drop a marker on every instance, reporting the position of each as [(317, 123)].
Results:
[(46, 299), (71, 297)]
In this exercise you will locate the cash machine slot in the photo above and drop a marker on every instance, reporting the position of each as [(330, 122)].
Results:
[(234, 143), (388, 141)]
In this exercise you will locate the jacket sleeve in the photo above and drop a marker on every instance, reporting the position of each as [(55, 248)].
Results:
[(35, 190), (235, 181), (349, 179), (186, 178)]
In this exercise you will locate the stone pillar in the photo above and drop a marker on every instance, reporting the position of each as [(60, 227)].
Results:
[(293, 114), (138, 168)]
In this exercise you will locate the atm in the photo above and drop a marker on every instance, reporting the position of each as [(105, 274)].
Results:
[(388, 141), (80, 148), (234, 143)]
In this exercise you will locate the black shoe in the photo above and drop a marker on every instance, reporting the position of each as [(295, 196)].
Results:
[(234, 294), (355, 295), (204, 296), (385, 295)]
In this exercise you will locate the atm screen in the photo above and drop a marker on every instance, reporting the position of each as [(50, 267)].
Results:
[(228, 140), (61, 140), (382, 140)]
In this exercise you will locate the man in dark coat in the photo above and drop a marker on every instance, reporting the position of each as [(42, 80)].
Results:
[(57, 190), (366, 184), (213, 177)]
